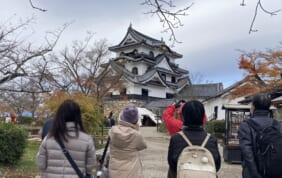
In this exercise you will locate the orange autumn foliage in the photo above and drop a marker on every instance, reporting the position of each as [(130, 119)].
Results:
[(262, 71)]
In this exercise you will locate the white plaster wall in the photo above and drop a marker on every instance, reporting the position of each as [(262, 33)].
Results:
[(141, 49), (168, 77), (153, 91), (142, 67), (219, 102), (145, 50), (172, 60), (164, 64), (159, 91), (133, 89), (115, 92)]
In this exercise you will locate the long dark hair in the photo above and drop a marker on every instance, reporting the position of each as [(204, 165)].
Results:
[(68, 111)]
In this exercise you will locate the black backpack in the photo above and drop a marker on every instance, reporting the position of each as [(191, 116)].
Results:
[(268, 149)]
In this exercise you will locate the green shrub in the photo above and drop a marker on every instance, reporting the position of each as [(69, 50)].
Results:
[(39, 122), (27, 120), (2, 119), (162, 127), (216, 127), (13, 139)]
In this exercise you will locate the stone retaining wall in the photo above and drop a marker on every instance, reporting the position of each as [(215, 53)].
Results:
[(116, 106)]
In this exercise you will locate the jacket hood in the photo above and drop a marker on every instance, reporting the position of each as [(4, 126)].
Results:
[(262, 118), (123, 134)]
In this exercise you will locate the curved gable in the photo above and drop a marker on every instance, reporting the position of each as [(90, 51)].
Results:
[(163, 63), (156, 77), (129, 39)]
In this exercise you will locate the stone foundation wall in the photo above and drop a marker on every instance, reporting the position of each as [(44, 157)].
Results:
[(116, 106)]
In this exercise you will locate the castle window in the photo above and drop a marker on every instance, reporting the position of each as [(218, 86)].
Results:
[(145, 92), (173, 80), (135, 70), (135, 51), (151, 54), (169, 95), (123, 92), (215, 112), (163, 77)]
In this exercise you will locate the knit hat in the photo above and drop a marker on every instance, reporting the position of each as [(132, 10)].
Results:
[(193, 113), (130, 114)]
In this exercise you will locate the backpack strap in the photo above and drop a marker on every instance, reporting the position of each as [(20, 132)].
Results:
[(189, 142), (185, 138), (206, 140)]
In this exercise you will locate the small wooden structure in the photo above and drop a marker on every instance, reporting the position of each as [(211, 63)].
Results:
[(234, 115)]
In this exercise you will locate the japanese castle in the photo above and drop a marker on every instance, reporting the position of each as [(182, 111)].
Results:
[(148, 68)]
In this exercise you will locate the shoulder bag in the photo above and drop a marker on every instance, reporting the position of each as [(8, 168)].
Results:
[(71, 161), (103, 171)]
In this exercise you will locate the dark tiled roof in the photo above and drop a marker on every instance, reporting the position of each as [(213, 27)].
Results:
[(201, 90), (148, 76), (141, 58), (228, 89), (274, 92), (174, 67), (143, 39), (142, 36), (162, 103)]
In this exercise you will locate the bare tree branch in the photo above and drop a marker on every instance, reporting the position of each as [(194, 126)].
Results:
[(23, 90), (170, 19), (259, 6), (79, 65), (37, 8), (21, 61)]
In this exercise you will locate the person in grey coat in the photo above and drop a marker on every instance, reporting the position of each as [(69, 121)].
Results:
[(260, 114), (67, 126)]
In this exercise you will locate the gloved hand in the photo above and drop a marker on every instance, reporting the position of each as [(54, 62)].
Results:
[(178, 104)]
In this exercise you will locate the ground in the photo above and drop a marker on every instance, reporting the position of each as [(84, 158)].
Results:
[(154, 158)]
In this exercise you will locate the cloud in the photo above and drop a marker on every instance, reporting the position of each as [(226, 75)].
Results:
[(212, 31)]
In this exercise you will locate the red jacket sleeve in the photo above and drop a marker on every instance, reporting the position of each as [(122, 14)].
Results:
[(172, 124)]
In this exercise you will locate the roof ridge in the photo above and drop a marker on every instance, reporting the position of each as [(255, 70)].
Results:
[(145, 36)]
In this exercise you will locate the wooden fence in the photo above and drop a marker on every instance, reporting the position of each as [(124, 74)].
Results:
[(101, 135)]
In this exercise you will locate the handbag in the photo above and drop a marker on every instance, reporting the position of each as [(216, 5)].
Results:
[(71, 161), (103, 171)]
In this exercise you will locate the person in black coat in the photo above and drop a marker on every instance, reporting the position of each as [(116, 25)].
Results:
[(46, 127), (193, 113), (112, 122), (260, 114)]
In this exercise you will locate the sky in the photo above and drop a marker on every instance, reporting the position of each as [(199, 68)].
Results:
[(213, 34)]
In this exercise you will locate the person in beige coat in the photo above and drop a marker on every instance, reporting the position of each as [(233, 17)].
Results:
[(68, 126), (126, 142)]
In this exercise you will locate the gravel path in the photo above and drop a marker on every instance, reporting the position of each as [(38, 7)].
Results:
[(154, 158)]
